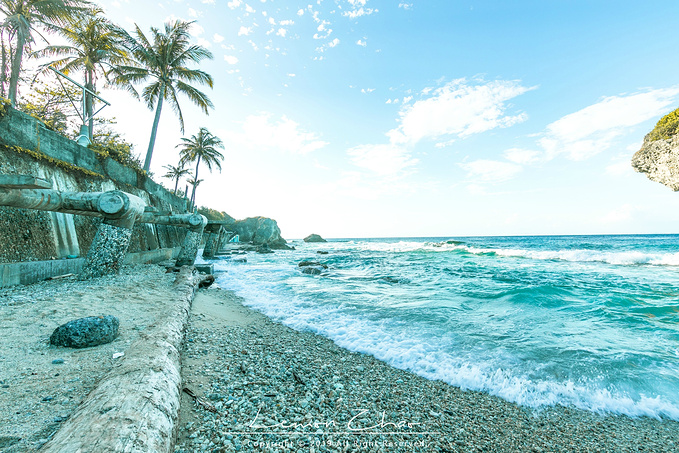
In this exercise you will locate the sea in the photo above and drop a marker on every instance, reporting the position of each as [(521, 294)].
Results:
[(590, 322)]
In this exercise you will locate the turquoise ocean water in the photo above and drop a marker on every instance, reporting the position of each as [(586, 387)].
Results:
[(584, 321)]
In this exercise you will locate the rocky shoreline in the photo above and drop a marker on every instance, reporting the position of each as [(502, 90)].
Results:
[(251, 384), (264, 387)]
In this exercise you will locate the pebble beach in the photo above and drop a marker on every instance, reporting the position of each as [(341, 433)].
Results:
[(251, 384), (261, 386)]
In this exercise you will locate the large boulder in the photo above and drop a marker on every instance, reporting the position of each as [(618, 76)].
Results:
[(314, 238), (260, 231), (658, 157), (86, 332)]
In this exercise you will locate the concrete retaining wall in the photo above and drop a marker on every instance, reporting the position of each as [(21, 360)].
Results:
[(27, 235)]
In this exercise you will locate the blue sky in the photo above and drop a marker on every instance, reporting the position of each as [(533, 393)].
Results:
[(359, 118)]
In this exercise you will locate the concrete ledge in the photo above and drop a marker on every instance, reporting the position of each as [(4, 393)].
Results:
[(27, 272), (135, 407)]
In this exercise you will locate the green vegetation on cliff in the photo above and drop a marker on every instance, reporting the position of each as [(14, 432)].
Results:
[(213, 214), (666, 128)]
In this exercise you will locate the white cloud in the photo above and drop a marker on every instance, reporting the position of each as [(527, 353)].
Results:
[(196, 30), (362, 43), (384, 160), (490, 171), (217, 38), (230, 59), (233, 4), (328, 45), (367, 90), (458, 109), (589, 131), (244, 31), (249, 9), (522, 156), (261, 131), (300, 12), (193, 12), (208, 2), (281, 32), (287, 22), (204, 42), (358, 10), (405, 5)]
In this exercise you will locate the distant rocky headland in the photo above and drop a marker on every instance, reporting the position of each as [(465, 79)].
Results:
[(658, 157)]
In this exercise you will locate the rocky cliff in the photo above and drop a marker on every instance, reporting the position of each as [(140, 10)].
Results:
[(658, 157), (259, 230)]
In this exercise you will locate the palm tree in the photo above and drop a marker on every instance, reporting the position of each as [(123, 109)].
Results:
[(95, 48), (194, 183), (163, 61), (202, 146), (21, 19), (176, 173)]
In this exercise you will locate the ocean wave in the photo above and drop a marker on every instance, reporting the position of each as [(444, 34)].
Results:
[(580, 255), (437, 355)]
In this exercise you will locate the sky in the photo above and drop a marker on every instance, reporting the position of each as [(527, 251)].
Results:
[(375, 118)]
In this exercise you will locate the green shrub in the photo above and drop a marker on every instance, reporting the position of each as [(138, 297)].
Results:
[(5, 105), (666, 127)]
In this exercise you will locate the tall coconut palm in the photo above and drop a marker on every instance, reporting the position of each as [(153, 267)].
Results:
[(95, 48), (21, 19), (163, 61), (201, 147), (176, 173)]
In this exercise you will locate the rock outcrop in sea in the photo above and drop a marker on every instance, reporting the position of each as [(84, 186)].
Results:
[(259, 231), (658, 157), (314, 238)]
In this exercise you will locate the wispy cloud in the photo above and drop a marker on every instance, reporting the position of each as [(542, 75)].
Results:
[(244, 31), (490, 171), (593, 129), (284, 134), (384, 160), (459, 109)]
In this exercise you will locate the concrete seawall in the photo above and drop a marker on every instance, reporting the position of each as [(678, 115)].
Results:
[(35, 245)]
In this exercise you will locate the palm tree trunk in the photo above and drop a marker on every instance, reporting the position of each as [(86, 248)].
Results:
[(176, 184), (154, 131), (16, 68), (195, 180), (89, 103)]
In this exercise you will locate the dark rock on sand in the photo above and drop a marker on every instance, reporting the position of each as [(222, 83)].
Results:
[(86, 332), (314, 238)]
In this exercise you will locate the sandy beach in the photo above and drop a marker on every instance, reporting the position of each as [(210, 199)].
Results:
[(276, 389), (42, 385)]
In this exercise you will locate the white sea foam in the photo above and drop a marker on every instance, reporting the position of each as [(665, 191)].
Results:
[(417, 348), (617, 258)]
